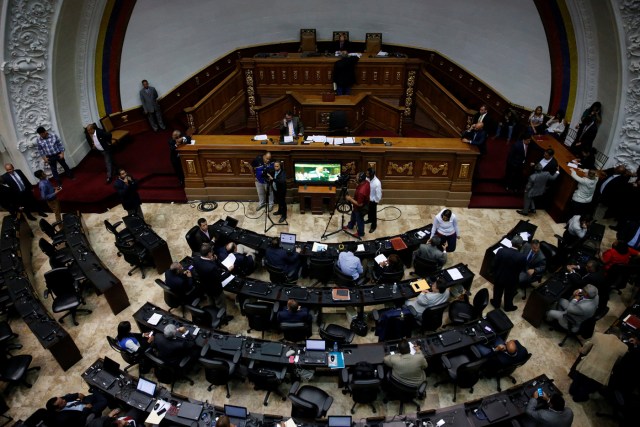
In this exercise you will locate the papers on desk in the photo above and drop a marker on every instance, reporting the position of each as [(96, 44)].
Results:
[(288, 138), (572, 165), (155, 319), (505, 242), (380, 259), (290, 423), (335, 141), (228, 261), (316, 138), (228, 280), (454, 273), (319, 247), (422, 234), (360, 248), (260, 137), (193, 142), (335, 360), (495, 251), (349, 140), (525, 236), (153, 417)]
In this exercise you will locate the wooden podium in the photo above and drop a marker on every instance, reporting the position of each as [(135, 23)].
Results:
[(317, 194)]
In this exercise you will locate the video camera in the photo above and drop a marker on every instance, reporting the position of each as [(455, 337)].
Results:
[(343, 180)]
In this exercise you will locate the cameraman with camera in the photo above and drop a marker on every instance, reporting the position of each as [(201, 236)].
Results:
[(260, 165), (360, 204), (278, 180)]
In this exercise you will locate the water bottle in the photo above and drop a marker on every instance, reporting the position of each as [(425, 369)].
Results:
[(395, 288), (335, 346)]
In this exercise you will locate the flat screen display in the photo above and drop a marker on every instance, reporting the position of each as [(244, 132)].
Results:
[(316, 173)]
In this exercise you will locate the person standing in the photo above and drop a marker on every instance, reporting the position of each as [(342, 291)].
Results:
[(445, 225), (49, 194), (536, 187), (583, 194), (127, 189), (149, 99), (515, 164), (375, 195), (344, 73), (359, 205), (278, 179), (20, 189), (100, 141), (507, 265), (259, 165), (177, 140), (51, 150)]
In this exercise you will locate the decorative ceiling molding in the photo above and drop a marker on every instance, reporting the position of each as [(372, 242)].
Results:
[(85, 61), (628, 151)]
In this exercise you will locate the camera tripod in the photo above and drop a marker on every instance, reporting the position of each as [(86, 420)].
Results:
[(267, 217), (343, 207)]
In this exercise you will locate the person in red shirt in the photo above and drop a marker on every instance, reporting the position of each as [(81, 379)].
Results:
[(359, 203), (619, 253)]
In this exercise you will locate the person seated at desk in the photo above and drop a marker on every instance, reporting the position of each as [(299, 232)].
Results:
[(406, 367), (224, 421), (118, 418), (180, 281), (393, 264), (438, 294), (619, 253), (582, 306), (132, 342), (431, 251), (291, 126), (502, 354), (592, 274), (350, 264), (204, 234), (210, 275), (73, 409), (244, 264), (556, 414), (536, 263), (342, 44), (587, 158), (287, 261), (170, 349), (293, 313), (576, 230)]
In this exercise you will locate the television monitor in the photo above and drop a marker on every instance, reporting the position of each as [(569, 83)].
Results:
[(316, 172)]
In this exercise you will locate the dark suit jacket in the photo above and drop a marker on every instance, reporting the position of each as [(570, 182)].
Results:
[(614, 188), (12, 183), (178, 283), (346, 45), (505, 359), (517, 155), (128, 194), (278, 257), (302, 315), (199, 237), (507, 265), (344, 71), (171, 350), (538, 261), (103, 137), (209, 274), (280, 182), (581, 278), (298, 128), (552, 166)]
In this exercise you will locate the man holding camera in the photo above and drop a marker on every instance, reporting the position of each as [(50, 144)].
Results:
[(127, 189), (278, 180), (260, 165), (359, 204)]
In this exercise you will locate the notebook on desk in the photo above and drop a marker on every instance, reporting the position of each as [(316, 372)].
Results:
[(398, 244), (339, 421), (231, 343), (450, 337), (299, 294), (382, 292), (271, 349), (258, 288)]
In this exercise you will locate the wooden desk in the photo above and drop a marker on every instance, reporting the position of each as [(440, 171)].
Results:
[(318, 195), (426, 171)]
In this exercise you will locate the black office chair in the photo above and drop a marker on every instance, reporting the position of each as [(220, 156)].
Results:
[(463, 371), (432, 317), (461, 312), (15, 368), (267, 377), (338, 124), (218, 370), (395, 327), (388, 277), (308, 402), (167, 373), (57, 237), (618, 276), (172, 299), (6, 336), (132, 359), (320, 269), (135, 254), (67, 296), (552, 255), (585, 330), (57, 257), (191, 241), (209, 317), (346, 281), (424, 267), (260, 314), (505, 372), (123, 235), (336, 334), (403, 392), (278, 275), (362, 387), (295, 331)]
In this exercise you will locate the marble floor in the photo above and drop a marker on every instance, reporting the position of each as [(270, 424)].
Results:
[(479, 229)]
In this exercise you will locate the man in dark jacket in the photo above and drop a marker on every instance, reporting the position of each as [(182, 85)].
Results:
[(278, 179), (21, 191), (127, 189), (74, 408), (344, 73), (515, 164), (210, 275), (169, 348), (100, 141), (591, 274), (507, 265)]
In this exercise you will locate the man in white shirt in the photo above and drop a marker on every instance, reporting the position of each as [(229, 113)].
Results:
[(100, 141), (375, 195)]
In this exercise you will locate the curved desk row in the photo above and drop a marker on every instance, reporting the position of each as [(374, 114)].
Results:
[(508, 404), (16, 266)]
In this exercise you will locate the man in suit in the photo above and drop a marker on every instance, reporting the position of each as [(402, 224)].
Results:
[(507, 265), (344, 73), (536, 187), (592, 274), (293, 313), (515, 164), (610, 190), (21, 190), (556, 414), (277, 257), (431, 251), (170, 349), (278, 179), (73, 409), (127, 189), (585, 135), (177, 140), (481, 116), (342, 44), (536, 263), (571, 314), (477, 136), (502, 354), (244, 264), (180, 281), (150, 106), (291, 126), (100, 141), (204, 233), (548, 161), (210, 275)]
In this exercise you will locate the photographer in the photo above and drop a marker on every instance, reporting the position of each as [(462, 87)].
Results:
[(259, 165), (360, 204), (127, 189), (278, 180)]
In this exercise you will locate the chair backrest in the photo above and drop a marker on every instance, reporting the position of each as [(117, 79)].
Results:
[(295, 331), (342, 279), (468, 374), (373, 43), (320, 269), (165, 372), (461, 312), (505, 370), (424, 267), (113, 343), (60, 282), (216, 371), (199, 316), (432, 317), (172, 299), (480, 301), (338, 123), (46, 247), (601, 160), (259, 314), (391, 276), (308, 40), (401, 390), (550, 253), (365, 390), (326, 335), (47, 228), (276, 274), (193, 245), (263, 377), (337, 34), (106, 123)]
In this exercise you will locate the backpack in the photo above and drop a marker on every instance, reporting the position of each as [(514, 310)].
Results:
[(359, 326)]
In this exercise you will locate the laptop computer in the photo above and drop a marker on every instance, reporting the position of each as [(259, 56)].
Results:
[(271, 349), (231, 343), (288, 241), (382, 292), (190, 411), (299, 294), (258, 288), (108, 375), (237, 415), (339, 421), (315, 352), (143, 395), (495, 410), (450, 337)]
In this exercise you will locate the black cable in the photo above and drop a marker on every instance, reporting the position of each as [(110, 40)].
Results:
[(204, 206), (389, 207), (244, 209)]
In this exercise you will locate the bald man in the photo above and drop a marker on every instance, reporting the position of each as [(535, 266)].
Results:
[(476, 135), (503, 354)]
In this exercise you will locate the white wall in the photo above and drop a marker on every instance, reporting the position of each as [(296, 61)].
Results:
[(500, 41)]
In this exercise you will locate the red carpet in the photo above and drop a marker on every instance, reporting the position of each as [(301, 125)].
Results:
[(145, 157)]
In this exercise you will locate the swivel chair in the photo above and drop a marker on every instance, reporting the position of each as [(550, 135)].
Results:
[(14, 370), (168, 373), (172, 299), (320, 269), (432, 317), (131, 358), (191, 241), (260, 314), (267, 377), (308, 402), (218, 370), (123, 235), (278, 275), (57, 237), (336, 334), (388, 277), (463, 371), (57, 257), (67, 296), (209, 317), (363, 390), (344, 280), (424, 267), (403, 392), (338, 124), (461, 312), (505, 371), (7, 335), (135, 254), (295, 331)]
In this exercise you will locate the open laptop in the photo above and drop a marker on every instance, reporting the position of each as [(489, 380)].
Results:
[(339, 421), (190, 411), (237, 415), (108, 375), (142, 396), (315, 352), (288, 241)]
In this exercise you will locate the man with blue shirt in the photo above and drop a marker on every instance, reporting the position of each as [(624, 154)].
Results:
[(350, 264), (49, 194), (51, 150), (74, 408)]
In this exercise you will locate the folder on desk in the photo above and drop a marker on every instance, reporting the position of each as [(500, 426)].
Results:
[(398, 244), (420, 285), (632, 320)]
